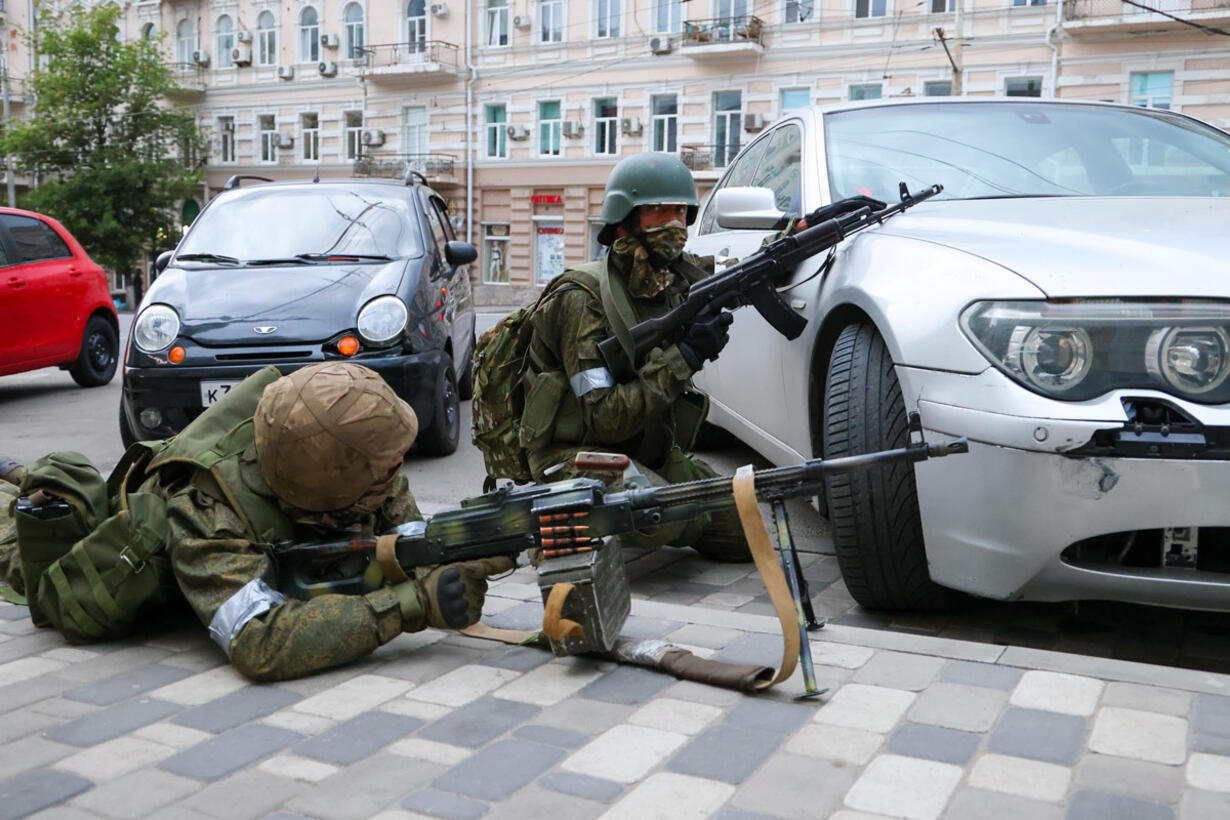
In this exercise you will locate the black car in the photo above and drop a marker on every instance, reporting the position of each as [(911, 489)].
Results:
[(293, 273)]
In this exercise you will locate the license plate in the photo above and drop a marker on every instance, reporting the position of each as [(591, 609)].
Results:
[(212, 392)]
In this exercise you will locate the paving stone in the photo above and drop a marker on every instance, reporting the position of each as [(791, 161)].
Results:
[(934, 743), (552, 736), (581, 785), (517, 658), (975, 804), (1198, 805), (463, 685), (770, 716), (534, 801), (1148, 698), (726, 753), (642, 628), (549, 684), (112, 721), (1139, 735), (1209, 744), (357, 738), (203, 687), (754, 648), (871, 708), (1209, 772), (1087, 805), (443, 804), (671, 795), (117, 757), (415, 709), (420, 749), (126, 685), (251, 793), (1056, 692), (959, 706), (499, 770), (694, 692), (899, 670), (62, 708), (30, 752), (1038, 735), (739, 814), (229, 752), (294, 767), (628, 685), (714, 637), (63, 812), (360, 791), (353, 697), (845, 747), (236, 708), (795, 787), (300, 722), (1134, 778), (672, 715), (23, 669), (1211, 715), (625, 753), (1025, 778), (34, 791), (24, 721), (589, 717), (479, 722), (990, 675), (904, 787), (168, 734), (843, 655)]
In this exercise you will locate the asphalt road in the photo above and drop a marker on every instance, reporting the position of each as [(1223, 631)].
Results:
[(45, 410)]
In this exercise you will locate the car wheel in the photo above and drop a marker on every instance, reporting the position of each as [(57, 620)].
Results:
[(100, 353), (441, 436), (465, 387), (877, 529), (127, 436)]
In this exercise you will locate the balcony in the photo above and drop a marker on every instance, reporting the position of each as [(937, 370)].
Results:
[(707, 162), (19, 92), (723, 37), (189, 79), (418, 63), (1091, 16), (439, 169)]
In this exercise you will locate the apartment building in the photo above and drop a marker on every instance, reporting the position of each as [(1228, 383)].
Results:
[(517, 109)]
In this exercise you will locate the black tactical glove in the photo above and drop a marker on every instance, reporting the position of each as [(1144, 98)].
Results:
[(452, 596), (705, 338), (843, 206)]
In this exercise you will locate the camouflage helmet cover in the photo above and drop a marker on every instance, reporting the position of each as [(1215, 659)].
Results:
[(645, 179), (328, 432)]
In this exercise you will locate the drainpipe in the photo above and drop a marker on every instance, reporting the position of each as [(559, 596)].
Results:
[(471, 74), (1054, 46)]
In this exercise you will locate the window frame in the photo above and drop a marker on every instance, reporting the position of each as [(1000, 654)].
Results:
[(501, 129), (560, 25), (613, 19), (609, 124), (355, 31), (1026, 78), (310, 138), (670, 125), (501, 13), (556, 125), (871, 6), (226, 139), (850, 91), (674, 16), (20, 257), (727, 113), (309, 37), (1133, 97), (417, 44), (797, 5), (266, 41), (185, 43), (266, 140), (781, 102), (224, 60)]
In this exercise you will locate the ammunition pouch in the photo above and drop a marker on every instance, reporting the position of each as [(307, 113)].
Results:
[(543, 392)]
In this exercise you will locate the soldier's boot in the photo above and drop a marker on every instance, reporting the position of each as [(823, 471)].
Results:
[(11, 470)]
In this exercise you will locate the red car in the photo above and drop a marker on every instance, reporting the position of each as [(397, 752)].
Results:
[(55, 306)]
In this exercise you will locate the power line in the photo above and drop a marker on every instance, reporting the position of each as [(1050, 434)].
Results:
[(1198, 26)]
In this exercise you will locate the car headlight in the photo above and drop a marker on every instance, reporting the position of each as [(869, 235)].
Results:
[(382, 320), (155, 328), (1081, 349)]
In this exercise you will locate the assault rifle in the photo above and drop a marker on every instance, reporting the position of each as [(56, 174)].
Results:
[(569, 521), (751, 281)]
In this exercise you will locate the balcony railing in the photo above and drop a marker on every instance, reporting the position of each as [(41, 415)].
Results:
[(708, 157), (744, 28), (189, 76), (1117, 11), (421, 52), (433, 166)]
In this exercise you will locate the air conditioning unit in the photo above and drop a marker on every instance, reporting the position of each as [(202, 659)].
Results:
[(660, 45), (523, 21), (517, 132), (373, 137), (243, 36), (330, 40), (572, 128), (630, 126), (439, 9), (327, 68), (241, 54), (286, 72), (284, 140), (753, 122), (201, 58)]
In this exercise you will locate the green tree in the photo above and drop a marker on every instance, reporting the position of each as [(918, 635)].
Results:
[(112, 158)]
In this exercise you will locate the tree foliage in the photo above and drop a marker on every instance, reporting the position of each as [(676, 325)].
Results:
[(112, 158)]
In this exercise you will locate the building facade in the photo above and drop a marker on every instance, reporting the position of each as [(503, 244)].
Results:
[(515, 110)]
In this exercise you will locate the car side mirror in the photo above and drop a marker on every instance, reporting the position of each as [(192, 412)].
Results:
[(747, 209), (164, 259), (459, 253)]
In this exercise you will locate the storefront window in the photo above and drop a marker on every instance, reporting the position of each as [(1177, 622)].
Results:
[(495, 254), (548, 250)]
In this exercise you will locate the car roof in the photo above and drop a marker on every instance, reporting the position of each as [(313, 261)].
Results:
[(848, 105), (351, 181)]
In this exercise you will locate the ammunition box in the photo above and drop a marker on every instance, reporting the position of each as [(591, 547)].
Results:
[(599, 602)]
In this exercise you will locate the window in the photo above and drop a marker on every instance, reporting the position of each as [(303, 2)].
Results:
[(1029, 2), (352, 134), (943, 6), (937, 88), (224, 39), (414, 136), (416, 25), (665, 122), (495, 254), (548, 249), (353, 19), (727, 126), (607, 18), (781, 169), (497, 134), (149, 31), (792, 98), (668, 16), (35, 239), (441, 228), (497, 23), (741, 172), (185, 42), (870, 8), (266, 126), (800, 11), (309, 131), (549, 126), (309, 36), (606, 125), (868, 91), (1152, 90), (226, 139), (266, 39), (550, 21), (1023, 87)]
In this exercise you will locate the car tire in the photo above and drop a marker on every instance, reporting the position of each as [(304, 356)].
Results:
[(877, 529), (100, 353), (441, 436), (127, 436), (465, 385)]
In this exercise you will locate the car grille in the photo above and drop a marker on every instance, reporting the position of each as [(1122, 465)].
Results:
[(265, 356)]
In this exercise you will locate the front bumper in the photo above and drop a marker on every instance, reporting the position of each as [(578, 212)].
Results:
[(997, 521)]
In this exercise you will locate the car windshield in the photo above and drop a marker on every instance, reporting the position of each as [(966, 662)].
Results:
[(1024, 149), (318, 221)]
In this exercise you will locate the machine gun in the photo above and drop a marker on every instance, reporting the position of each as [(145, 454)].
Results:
[(569, 522), (751, 281)]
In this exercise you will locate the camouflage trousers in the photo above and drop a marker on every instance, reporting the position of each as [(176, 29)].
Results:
[(10, 564)]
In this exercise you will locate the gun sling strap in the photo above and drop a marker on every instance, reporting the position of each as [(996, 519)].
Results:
[(672, 659)]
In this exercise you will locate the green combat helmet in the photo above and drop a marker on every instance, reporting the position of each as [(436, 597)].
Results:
[(645, 179)]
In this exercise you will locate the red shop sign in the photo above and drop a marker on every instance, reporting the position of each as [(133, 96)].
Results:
[(547, 199), (543, 229)]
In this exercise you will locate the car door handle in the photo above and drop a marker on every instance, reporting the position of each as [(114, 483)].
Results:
[(16, 282), (75, 271)]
